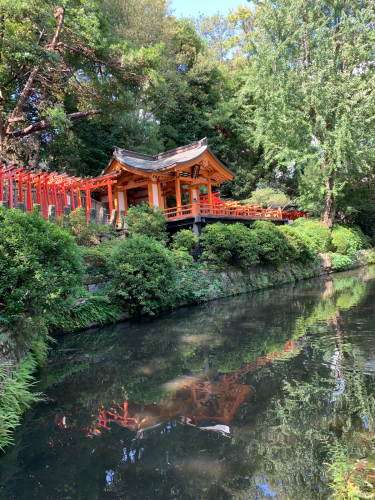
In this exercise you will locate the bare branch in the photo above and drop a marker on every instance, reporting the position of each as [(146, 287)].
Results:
[(44, 124), (87, 56), (59, 14), (16, 119), (16, 75)]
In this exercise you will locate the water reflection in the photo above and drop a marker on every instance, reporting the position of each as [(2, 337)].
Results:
[(245, 398)]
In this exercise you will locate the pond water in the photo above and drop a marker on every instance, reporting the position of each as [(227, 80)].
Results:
[(243, 398)]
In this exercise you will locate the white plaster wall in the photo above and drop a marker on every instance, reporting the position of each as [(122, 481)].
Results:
[(121, 201), (155, 194)]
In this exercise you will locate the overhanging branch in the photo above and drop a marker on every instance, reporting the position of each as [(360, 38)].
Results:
[(44, 124)]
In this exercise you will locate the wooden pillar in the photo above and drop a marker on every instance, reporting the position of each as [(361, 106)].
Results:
[(79, 201), (209, 191), (150, 194), (126, 201), (72, 200), (45, 200), (110, 201), (116, 203), (20, 188), (161, 204), (178, 190)]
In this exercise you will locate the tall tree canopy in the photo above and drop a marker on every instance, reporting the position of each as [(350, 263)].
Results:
[(57, 57), (312, 74)]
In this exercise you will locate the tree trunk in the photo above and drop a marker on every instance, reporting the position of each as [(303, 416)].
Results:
[(328, 214)]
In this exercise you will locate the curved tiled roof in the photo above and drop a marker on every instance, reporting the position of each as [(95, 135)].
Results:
[(178, 156)]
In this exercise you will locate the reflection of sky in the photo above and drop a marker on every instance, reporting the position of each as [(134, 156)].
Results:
[(365, 421), (264, 486), (109, 476)]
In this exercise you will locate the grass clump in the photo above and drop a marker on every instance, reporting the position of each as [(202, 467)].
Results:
[(15, 396)]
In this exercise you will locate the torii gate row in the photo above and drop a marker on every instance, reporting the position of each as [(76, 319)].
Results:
[(51, 188)]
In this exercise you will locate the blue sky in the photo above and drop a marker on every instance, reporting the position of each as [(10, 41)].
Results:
[(207, 7)]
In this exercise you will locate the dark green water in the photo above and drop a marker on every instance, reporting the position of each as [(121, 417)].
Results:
[(246, 398)]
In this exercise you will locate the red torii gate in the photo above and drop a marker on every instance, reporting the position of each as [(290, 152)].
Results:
[(51, 188)]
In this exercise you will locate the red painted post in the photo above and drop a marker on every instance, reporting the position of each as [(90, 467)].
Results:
[(110, 201), (72, 196), (10, 188), (45, 202), (79, 201), (20, 187), (1, 184), (29, 193)]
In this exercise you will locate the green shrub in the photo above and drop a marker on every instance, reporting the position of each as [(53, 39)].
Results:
[(97, 257), (40, 265), (184, 239), (182, 258), (85, 234), (340, 262), (304, 249), (144, 274), (274, 246), (348, 239), (319, 234), (148, 221), (230, 244)]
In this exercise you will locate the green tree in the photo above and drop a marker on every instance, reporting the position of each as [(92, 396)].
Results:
[(59, 64), (268, 198), (312, 77)]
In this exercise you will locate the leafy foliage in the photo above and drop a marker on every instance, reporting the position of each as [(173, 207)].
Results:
[(294, 84), (230, 244), (85, 234), (317, 232), (340, 262), (347, 240), (273, 244), (184, 239), (15, 396), (40, 264), (143, 274), (268, 198), (304, 249), (148, 221), (98, 308)]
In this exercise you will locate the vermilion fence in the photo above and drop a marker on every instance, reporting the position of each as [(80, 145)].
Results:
[(230, 209)]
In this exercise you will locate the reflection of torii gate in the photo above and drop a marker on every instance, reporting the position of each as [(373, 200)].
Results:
[(194, 401)]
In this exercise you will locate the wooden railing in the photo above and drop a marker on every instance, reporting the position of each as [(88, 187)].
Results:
[(179, 212), (221, 211)]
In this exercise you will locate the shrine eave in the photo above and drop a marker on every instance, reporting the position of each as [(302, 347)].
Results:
[(164, 162)]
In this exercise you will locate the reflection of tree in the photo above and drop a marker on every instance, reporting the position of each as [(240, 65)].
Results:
[(301, 403)]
